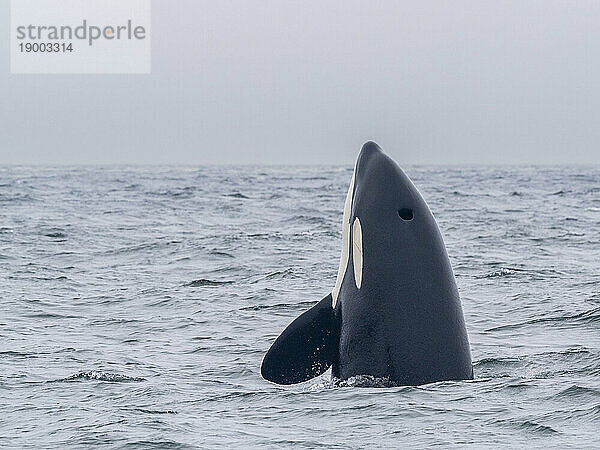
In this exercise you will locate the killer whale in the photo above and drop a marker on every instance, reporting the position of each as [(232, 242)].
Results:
[(395, 310)]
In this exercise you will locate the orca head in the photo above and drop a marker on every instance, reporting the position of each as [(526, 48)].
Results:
[(381, 188), (387, 228)]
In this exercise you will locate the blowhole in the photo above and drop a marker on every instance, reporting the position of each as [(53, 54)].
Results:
[(405, 213)]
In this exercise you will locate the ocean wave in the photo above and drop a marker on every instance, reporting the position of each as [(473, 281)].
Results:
[(238, 195), (56, 234), (460, 194), (275, 275), (158, 444), (540, 273), (176, 193), (363, 381), (202, 282), (141, 247), (221, 253), (155, 411), (585, 317), (580, 392), (96, 375), (502, 272), (307, 219), (15, 198), (530, 426), (277, 306), (15, 354), (543, 365)]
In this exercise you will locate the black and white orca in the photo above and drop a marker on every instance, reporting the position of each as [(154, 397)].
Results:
[(395, 312)]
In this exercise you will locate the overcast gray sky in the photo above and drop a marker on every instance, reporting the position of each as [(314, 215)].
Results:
[(309, 81)]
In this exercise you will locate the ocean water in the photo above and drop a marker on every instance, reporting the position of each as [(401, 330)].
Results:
[(137, 304)]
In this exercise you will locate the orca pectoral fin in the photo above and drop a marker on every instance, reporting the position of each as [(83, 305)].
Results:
[(306, 348)]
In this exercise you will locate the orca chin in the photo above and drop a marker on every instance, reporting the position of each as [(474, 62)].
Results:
[(394, 312)]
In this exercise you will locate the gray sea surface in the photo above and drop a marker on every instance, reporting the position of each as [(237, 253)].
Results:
[(137, 304)]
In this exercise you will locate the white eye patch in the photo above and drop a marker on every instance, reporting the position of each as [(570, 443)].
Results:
[(357, 252)]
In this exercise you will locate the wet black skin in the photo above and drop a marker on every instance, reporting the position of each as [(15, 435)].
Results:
[(405, 323)]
